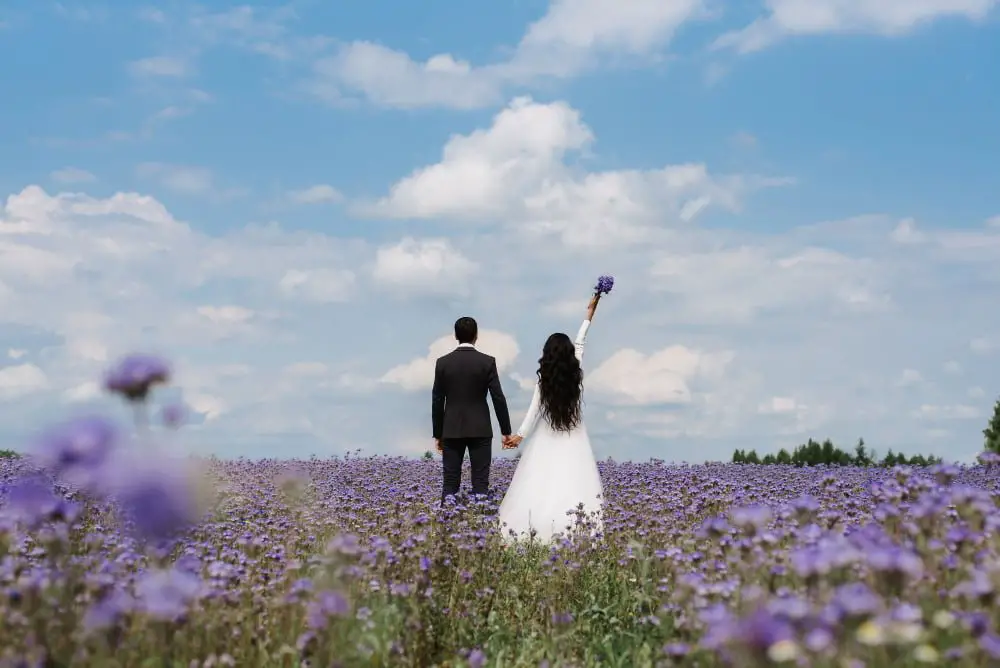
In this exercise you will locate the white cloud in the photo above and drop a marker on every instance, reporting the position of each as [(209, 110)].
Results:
[(572, 37), (318, 285), (516, 171), (906, 233), (207, 405), (70, 175), (423, 265), (664, 377), (304, 369), (93, 278), (160, 66), (739, 283), (909, 378), (813, 17), (982, 346), (20, 380), (390, 78), (947, 412), (778, 406), (226, 315), (16, 353), (316, 194), (87, 391), (179, 178), (419, 373)]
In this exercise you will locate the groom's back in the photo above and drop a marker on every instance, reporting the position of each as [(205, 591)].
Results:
[(463, 377)]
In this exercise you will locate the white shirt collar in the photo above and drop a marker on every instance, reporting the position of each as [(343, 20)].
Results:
[(467, 345)]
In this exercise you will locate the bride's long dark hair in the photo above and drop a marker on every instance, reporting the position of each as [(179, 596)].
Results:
[(560, 381)]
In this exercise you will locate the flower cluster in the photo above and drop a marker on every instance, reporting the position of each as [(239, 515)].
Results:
[(604, 285)]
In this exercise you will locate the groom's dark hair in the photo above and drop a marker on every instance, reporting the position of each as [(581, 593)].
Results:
[(466, 330)]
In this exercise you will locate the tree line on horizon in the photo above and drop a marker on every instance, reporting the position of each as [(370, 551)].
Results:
[(814, 453)]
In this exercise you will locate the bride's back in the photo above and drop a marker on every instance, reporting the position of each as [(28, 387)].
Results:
[(560, 383)]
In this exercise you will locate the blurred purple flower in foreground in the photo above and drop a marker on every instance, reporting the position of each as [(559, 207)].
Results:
[(32, 501), (167, 594), (134, 376), (160, 503), (108, 611), (77, 449), (173, 415), (604, 285), (328, 604)]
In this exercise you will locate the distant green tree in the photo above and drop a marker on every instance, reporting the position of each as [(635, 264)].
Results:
[(428, 455), (9, 454), (752, 457), (991, 435), (783, 457), (862, 455)]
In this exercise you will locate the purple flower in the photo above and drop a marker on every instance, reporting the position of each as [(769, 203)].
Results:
[(756, 632), (108, 611), (990, 644), (895, 561), (751, 518), (818, 639), (78, 448), (167, 594), (135, 375), (676, 650), (328, 604), (989, 458), (173, 415), (346, 544), (477, 659), (159, 503), (856, 600), (32, 501), (604, 285)]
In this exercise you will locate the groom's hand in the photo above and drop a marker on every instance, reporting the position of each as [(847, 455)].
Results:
[(438, 446)]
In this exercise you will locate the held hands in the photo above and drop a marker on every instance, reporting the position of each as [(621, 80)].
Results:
[(511, 441), (438, 446)]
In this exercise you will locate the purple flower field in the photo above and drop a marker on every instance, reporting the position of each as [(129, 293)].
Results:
[(349, 562), (113, 553)]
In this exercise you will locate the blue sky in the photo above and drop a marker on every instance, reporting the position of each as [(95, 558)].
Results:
[(295, 201)]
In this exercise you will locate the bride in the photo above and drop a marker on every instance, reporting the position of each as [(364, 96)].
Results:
[(557, 471)]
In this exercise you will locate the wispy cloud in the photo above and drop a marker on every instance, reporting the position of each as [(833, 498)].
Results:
[(160, 66), (178, 178), (317, 194), (71, 175)]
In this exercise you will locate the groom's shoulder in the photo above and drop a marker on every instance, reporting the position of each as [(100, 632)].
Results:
[(464, 357)]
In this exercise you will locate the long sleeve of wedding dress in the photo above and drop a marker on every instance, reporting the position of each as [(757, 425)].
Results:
[(581, 339), (531, 417)]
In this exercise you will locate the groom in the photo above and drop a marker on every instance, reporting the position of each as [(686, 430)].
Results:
[(460, 416)]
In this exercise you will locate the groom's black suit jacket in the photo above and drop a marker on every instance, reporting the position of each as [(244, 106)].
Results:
[(458, 401)]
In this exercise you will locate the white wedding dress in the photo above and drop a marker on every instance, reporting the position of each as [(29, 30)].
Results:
[(556, 472)]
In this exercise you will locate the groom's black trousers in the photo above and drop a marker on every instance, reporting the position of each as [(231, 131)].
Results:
[(480, 455)]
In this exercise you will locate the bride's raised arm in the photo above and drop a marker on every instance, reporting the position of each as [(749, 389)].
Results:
[(581, 336)]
